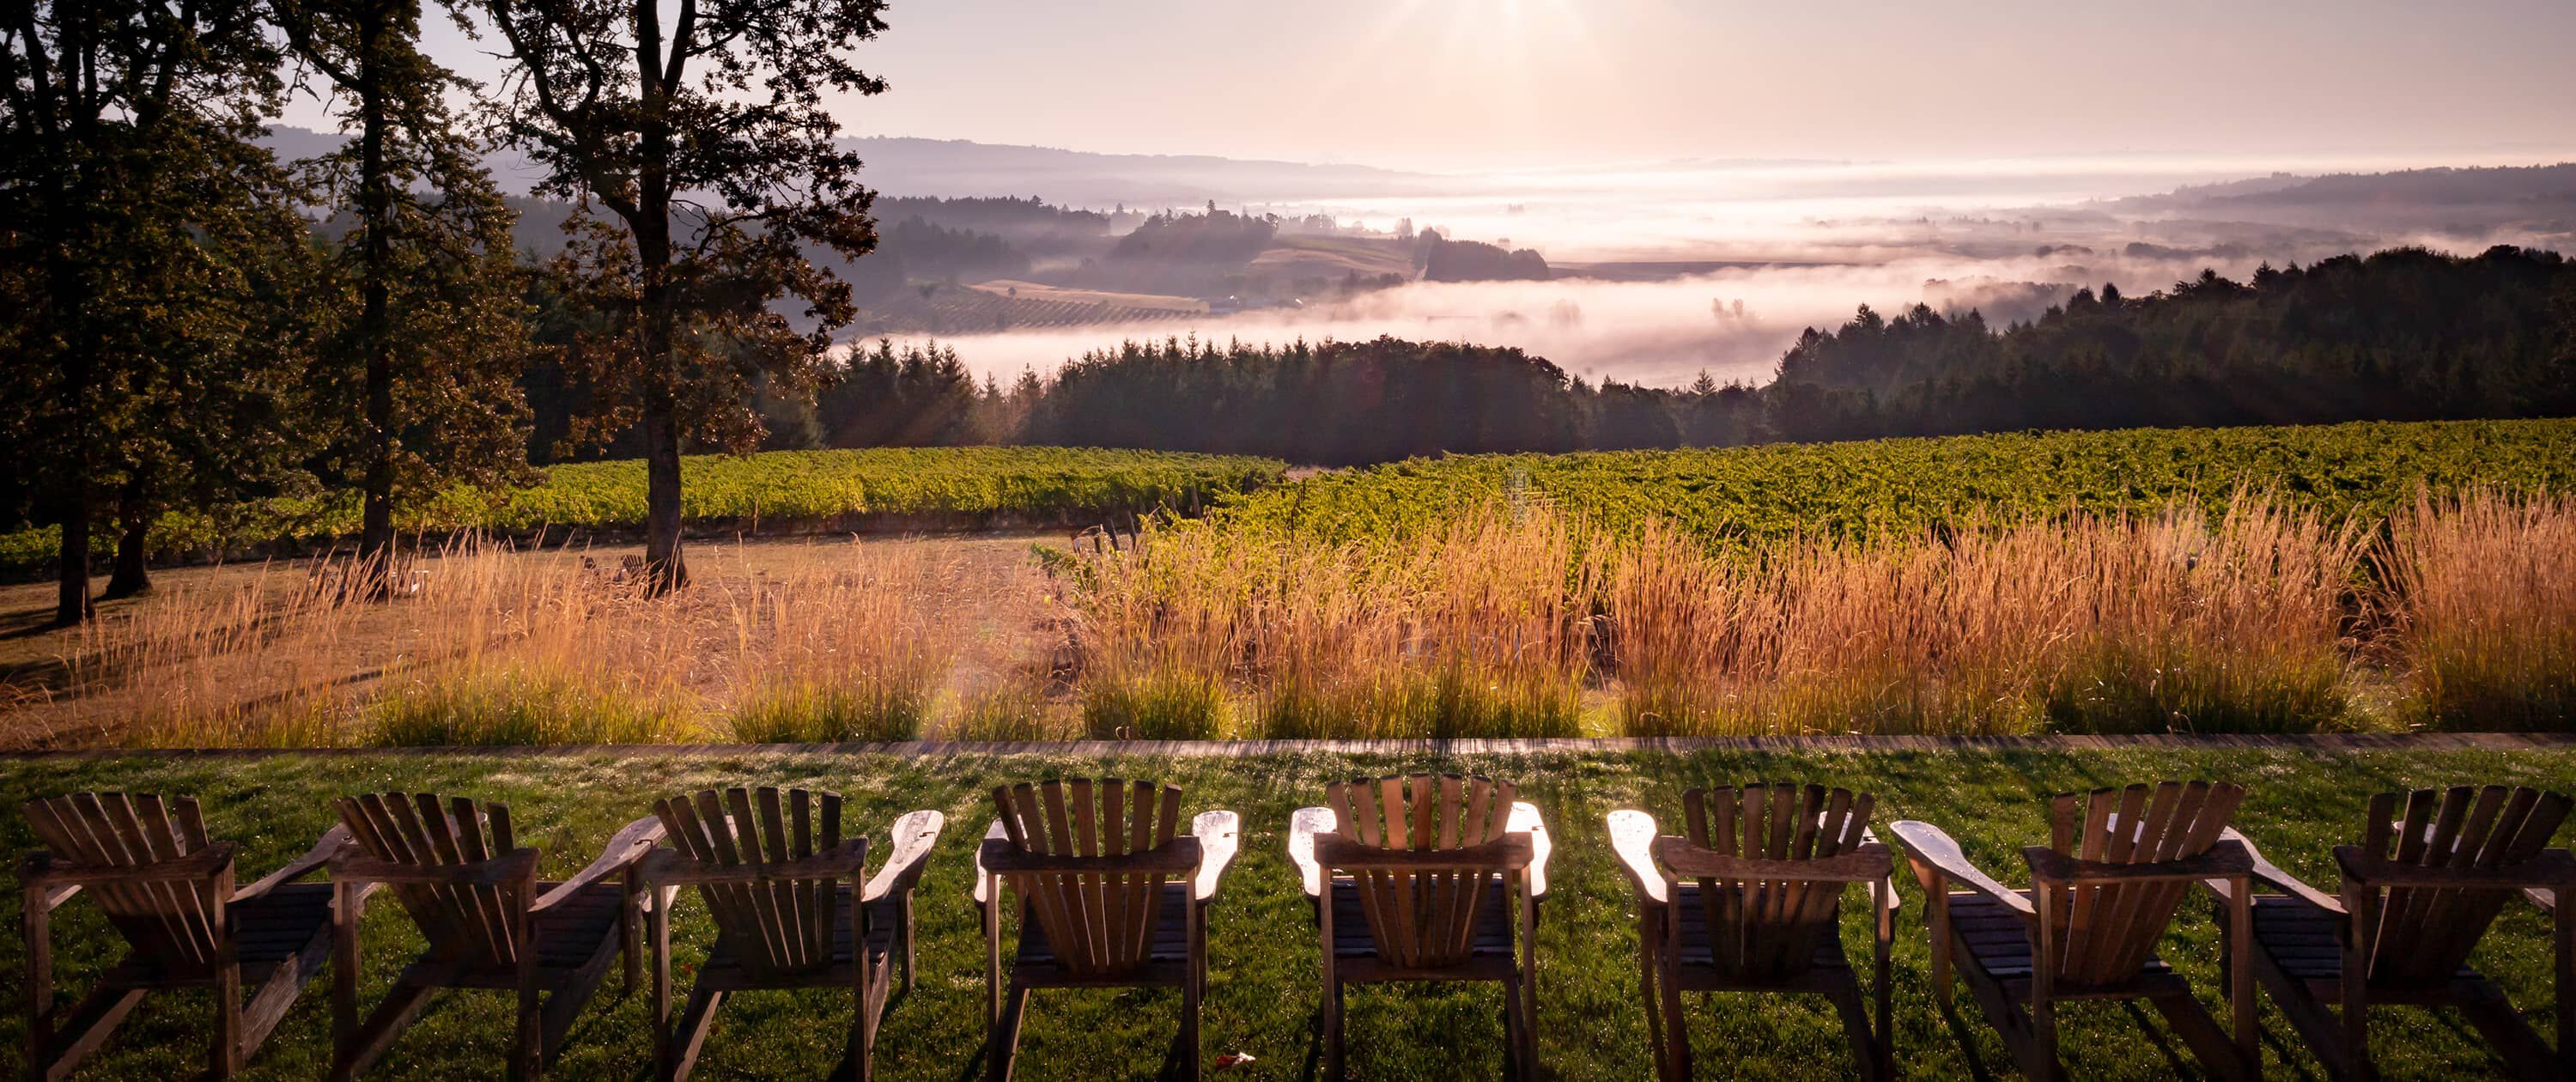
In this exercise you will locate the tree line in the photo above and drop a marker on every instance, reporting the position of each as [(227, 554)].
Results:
[(179, 334), (2400, 335)]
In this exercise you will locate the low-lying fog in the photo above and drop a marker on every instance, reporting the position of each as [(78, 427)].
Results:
[(1668, 271)]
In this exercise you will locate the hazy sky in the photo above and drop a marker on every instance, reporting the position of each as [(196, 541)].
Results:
[(1522, 83)]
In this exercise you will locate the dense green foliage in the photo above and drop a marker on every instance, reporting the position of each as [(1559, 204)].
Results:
[(1262, 989), (2405, 334), (1904, 487), (961, 485)]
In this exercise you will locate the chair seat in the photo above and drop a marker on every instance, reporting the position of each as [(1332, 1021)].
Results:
[(724, 970), (571, 934), (268, 932), (2306, 942), (1997, 941), (1165, 962), (276, 926)]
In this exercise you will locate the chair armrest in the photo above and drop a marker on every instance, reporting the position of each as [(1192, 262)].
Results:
[(1932, 848), (34, 868), (629, 846), (984, 878), (1219, 834), (1302, 829), (1632, 839), (2279, 878), (2553, 868), (912, 837), (312, 861), (1525, 817), (1894, 903)]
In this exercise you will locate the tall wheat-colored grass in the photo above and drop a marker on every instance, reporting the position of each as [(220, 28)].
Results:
[(1481, 631), (489, 646), (219, 663), (2092, 624), (826, 657), (1510, 621), (2484, 606)]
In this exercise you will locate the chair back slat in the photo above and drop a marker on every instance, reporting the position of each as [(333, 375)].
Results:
[(1099, 923), (170, 921), (466, 923), (1771, 929), (1423, 918), (2423, 935), (771, 925), (2105, 932)]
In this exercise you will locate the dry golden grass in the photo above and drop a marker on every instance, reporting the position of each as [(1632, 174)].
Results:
[(1498, 625), (2090, 624), (1510, 622), (2484, 609), (489, 646)]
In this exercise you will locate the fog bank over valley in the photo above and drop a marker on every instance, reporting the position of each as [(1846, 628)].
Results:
[(1655, 274)]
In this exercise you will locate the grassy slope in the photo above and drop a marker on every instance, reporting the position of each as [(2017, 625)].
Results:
[(1263, 983), (1032, 483)]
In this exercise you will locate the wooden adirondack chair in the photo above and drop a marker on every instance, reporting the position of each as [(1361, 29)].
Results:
[(2417, 895), (1426, 878), (168, 891), (778, 879), (2116, 868), (1108, 896), (491, 923), (1749, 900)]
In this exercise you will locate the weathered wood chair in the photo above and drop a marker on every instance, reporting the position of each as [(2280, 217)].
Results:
[(2417, 895), (1426, 878), (1108, 896), (1749, 900), (778, 879), (168, 891), (490, 922), (2102, 892)]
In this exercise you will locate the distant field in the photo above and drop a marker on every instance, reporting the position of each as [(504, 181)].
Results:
[(989, 306), (1032, 291), (1882, 489), (960, 486), (1334, 257)]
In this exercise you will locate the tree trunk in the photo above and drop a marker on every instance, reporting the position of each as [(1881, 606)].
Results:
[(71, 598), (132, 577), (375, 198), (662, 563)]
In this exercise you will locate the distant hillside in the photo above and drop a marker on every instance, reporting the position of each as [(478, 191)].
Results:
[(956, 167)]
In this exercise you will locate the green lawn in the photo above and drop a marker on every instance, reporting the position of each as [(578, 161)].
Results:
[(1263, 986)]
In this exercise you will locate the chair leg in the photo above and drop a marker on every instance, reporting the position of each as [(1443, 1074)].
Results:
[(1334, 1008), (1528, 1026), (2039, 1054), (905, 904), (368, 1040), (1847, 1003), (72, 1039), (1651, 1000), (681, 1045), (870, 1003), (1002, 1042), (2220, 1055), (228, 1022), (1677, 1053)]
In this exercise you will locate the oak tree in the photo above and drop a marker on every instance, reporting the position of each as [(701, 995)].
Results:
[(702, 130)]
